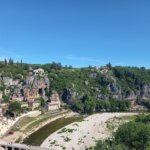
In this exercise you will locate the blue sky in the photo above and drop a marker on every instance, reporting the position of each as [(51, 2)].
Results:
[(76, 32)]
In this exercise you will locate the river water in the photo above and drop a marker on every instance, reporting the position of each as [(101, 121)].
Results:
[(40, 135)]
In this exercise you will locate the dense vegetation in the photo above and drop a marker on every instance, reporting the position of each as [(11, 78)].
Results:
[(134, 135), (131, 78), (15, 108), (87, 86), (90, 104)]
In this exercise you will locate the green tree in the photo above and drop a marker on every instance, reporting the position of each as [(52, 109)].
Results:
[(109, 65), (15, 108), (5, 61), (89, 103), (148, 104), (143, 118), (42, 104), (78, 106), (134, 135), (6, 98)]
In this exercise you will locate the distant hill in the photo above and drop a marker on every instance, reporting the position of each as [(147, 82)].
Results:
[(97, 87)]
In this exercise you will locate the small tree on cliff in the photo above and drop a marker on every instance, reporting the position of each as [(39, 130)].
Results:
[(42, 104), (15, 108)]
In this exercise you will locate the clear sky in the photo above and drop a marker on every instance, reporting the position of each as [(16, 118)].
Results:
[(76, 32)]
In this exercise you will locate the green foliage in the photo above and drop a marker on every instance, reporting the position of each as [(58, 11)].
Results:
[(11, 70), (147, 103), (15, 108), (78, 106), (6, 98), (134, 135), (109, 145), (143, 118), (86, 105), (42, 102), (89, 103), (131, 77), (113, 105), (109, 65), (2, 88), (80, 81)]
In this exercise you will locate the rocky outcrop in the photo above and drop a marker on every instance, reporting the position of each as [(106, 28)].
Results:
[(98, 82), (145, 91), (130, 95), (35, 87), (67, 96), (102, 96), (114, 90), (7, 81)]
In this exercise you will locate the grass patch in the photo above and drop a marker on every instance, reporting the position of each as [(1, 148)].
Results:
[(53, 143), (64, 130), (19, 139), (22, 122), (42, 118), (66, 139), (129, 118), (114, 123), (75, 124)]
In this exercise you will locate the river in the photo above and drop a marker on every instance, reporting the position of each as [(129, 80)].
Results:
[(40, 135)]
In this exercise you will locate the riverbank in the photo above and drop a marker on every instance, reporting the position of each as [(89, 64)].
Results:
[(33, 124), (81, 135), (6, 124), (39, 136)]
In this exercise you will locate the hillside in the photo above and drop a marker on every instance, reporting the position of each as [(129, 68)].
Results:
[(85, 89)]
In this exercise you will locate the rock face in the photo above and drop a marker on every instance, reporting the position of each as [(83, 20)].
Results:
[(6, 81), (130, 95), (145, 92), (115, 91), (31, 89), (67, 96), (102, 96), (99, 82), (35, 87)]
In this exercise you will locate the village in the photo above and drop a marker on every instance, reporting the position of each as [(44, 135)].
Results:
[(28, 93)]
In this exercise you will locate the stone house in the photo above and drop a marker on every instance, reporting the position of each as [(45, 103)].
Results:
[(4, 108), (104, 70), (30, 94), (15, 82), (54, 103), (7, 91), (17, 98), (38, 72), (7, 81), (33, 104)]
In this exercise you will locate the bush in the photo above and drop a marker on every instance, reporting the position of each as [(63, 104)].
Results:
[(134, 135)]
